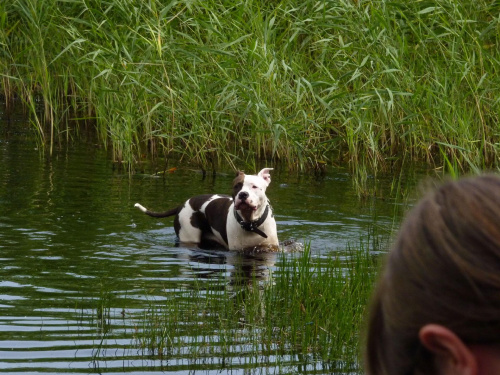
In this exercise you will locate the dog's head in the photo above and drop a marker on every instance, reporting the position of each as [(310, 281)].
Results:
[(249, 192)]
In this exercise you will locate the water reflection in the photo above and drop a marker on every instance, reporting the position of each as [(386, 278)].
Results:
[(239, 267), (72, 243)]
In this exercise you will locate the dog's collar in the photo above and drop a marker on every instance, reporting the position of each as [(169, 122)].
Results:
[(252, 226)]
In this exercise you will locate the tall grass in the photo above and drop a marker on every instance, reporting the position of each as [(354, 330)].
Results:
[(312, 308), (307, 82)]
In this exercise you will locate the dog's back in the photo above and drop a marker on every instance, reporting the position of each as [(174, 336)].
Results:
[(200, 220)]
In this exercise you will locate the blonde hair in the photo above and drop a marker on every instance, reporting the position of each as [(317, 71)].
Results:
[(443, 268)]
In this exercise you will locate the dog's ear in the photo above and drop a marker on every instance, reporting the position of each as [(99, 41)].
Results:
[(240, 176), (265, 175)]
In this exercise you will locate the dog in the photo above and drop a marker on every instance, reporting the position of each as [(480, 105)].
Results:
[(242, 221)]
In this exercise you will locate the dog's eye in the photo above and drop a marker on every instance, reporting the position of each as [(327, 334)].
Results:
[(255, 187)]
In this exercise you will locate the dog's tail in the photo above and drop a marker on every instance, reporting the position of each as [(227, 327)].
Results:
[(171, 212)]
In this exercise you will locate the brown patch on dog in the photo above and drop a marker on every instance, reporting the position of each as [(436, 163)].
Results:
[(198, 220), (217, 209), (177, 225), (199, 200), (238, 183)]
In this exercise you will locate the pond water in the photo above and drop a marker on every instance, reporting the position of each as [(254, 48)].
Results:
[(70, 237)]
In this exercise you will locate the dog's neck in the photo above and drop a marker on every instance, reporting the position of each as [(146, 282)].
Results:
[(253, 225)]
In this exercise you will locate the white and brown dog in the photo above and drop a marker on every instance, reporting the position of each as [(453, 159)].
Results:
[(242, 221)]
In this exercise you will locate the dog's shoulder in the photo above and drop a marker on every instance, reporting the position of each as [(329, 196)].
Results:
[(216, 212), (218, 208), (198, 201), (219, 205)]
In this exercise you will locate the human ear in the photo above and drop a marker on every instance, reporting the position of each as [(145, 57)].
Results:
[(451, 355)]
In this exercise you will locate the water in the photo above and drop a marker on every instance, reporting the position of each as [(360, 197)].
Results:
[(71, 241)]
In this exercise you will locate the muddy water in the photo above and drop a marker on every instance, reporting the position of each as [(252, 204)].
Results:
[(70, 238)]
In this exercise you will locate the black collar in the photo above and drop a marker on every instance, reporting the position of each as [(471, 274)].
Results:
[(252, 226)]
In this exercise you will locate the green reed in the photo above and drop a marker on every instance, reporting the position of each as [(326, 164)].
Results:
[(312, 306), (306, 82)]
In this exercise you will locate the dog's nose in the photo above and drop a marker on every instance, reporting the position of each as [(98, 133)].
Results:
[(243, 195)]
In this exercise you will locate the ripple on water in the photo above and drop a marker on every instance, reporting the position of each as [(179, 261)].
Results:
[(80, 268)]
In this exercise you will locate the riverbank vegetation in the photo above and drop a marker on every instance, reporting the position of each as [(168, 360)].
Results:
[(371, 83)]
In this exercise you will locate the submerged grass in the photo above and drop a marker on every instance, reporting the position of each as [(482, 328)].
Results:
[(311, 309), (307, 82)]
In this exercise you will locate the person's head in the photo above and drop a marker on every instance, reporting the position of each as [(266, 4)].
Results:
[(436, 308)]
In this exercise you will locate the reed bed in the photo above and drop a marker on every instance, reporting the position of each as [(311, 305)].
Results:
[(306, 82), (311, 309)]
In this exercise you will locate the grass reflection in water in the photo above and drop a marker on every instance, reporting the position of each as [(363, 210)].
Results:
[(277, 311)]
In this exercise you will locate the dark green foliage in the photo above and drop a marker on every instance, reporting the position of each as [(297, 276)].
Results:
[(306, 82)]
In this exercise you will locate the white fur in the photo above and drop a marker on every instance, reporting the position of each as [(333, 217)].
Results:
[(187, 232), (238, 238), (140, 207), (241, 239), (255, 186)]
